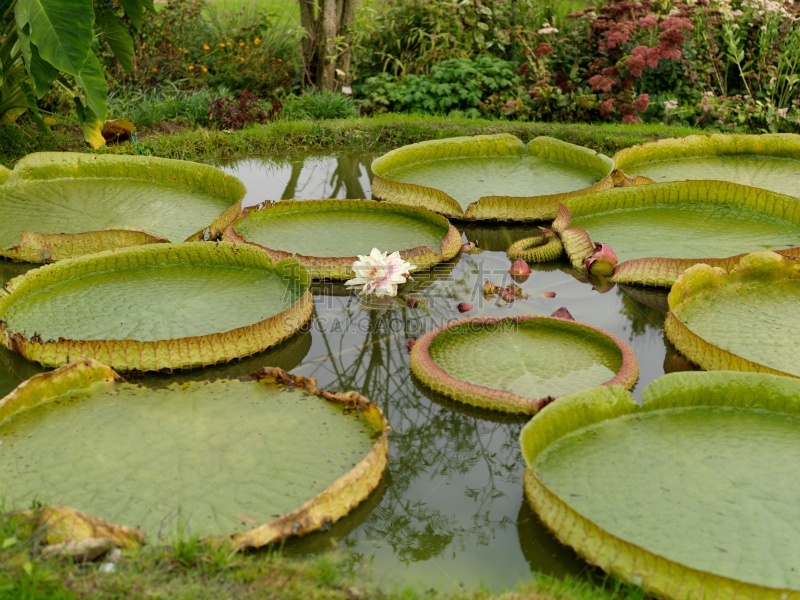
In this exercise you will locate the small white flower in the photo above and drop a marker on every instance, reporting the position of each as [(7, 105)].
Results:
[(379, 274), (547, 30), (782, 112), (670, 105)]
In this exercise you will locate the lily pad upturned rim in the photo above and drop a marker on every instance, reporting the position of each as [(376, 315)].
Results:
[(663, 271), (339, 268), (425, 368), (37, 247), (490, 208), (782, 145), (179, 353), (630, 562), (328, 506), (749, 268)]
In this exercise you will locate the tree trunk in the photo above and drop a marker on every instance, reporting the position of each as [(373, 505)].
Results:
[(324, 21)]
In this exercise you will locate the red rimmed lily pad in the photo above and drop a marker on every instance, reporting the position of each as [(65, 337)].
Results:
[(519, 364)]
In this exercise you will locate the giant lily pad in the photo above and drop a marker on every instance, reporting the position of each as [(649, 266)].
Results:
[(744, 320), (659, 230), (259, 459), (689, 496), (327, 236), (57, 205), (770, 161), (161, 306), (494, 177), (519, 364)]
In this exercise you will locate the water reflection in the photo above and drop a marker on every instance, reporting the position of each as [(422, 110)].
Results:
[(448, 515), (301, 177), (674, 361), (497, 236), (14, 369), (9, 270), (286, 355), (655, 298), (544, 553)]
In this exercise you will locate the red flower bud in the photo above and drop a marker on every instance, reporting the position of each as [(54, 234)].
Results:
[(520, 270), (603, 261)]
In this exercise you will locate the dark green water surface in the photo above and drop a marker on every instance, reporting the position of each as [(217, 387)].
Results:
[(450, 510)]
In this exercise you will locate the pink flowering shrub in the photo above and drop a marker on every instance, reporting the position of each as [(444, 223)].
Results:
[(631, 61), (722, 64)]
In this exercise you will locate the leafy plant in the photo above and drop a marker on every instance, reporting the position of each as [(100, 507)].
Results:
[(456, 87), (411, 37), (318, 105), (149, 109), (53, 41), (235, 113)]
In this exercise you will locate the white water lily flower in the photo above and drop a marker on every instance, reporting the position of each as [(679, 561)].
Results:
[(379, 274)]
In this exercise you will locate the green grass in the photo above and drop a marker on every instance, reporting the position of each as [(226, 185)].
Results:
[(240, 10), (380, 134), (149, 109), (377, 134), (192, 569)]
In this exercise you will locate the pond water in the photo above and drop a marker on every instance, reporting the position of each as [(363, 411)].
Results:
[(450, 509)]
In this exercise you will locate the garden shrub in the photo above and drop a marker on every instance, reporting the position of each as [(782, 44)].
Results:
[(150, 108), (410, 36), (732, 65), (184, 47), (461, 86), (235, 113), (318, 105)]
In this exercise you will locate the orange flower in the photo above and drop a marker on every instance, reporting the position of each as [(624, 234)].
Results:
[(241, 43), (222, 44), (205, 69), (155, 69), (206, 47), (257, 41), (191, 67), (241, 59)]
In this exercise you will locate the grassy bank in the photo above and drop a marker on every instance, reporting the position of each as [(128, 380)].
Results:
[(193, 570), (377, 133)]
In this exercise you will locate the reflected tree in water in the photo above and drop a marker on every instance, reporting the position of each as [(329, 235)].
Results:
[(340, 178), (433, 441)]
